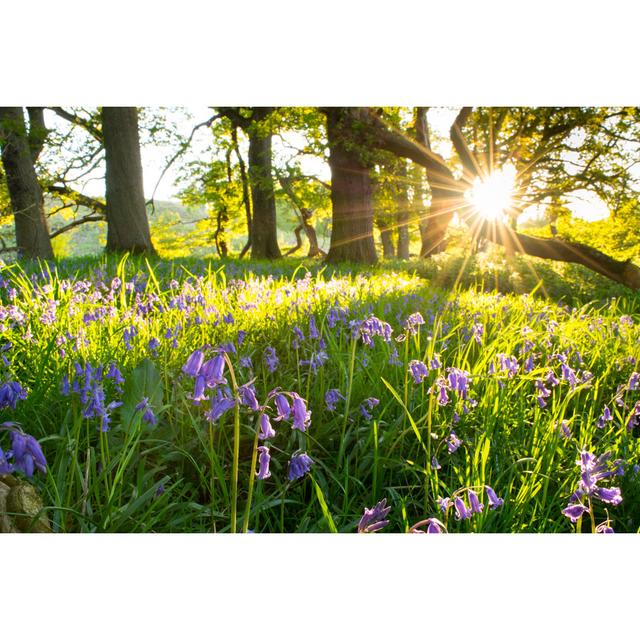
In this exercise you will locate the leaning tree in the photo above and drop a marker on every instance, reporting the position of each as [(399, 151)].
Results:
[(20, 150), (538, 143)]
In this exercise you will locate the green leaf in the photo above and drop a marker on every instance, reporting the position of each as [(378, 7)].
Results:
[(143, 382), (323, 505)]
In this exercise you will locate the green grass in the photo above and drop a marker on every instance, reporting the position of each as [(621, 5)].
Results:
[(178, 476)]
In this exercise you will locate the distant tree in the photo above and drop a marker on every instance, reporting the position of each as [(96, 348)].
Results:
[(20, 150), (255, 122), (126, 212)]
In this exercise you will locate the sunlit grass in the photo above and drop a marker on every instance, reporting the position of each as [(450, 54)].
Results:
[(178, 475)]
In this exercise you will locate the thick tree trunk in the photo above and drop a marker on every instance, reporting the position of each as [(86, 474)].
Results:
[(127, 222), (27, 202), (403, 213), (351, 193), (386, 235), (264, 230)]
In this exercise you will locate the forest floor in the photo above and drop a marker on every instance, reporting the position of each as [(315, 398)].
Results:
[(202, 396)]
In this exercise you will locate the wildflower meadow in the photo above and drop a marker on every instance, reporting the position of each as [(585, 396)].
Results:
[(159, 396)]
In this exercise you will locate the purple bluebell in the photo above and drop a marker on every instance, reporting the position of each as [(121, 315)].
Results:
[(247, 394), (575, 511), (374, 519), (433, 526), (10, 393), (453, 442), (494, 501), (604, 528), (283, 408), (458, 381), (435, 464), (441, 386), (462, 513), (444, 504), (148, 415), (198, 391), (212, 371), (194, 363), (299, 464), (266, 430), (474, 502), (301, 415), (264, 458), (27, 453), (367, 405), (331, 398), (271, 359), (220, 404), (605, 417), (418, 370)]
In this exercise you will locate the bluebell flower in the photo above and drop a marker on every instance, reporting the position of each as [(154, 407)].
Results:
[(435, 464), (266, 430), (418, 370), (264, 458), (462, 513), (26, 453), (247, 395), (605, 417), (301, 416), (299, 465), (282, 407), (220, 404), (271, 359), (494, 501), (433, 526), (366, 405), (193, 364), (444, 504), (575, 511), (453, 442), (474, 502), (148, 416), (374, 519), (10, 393), (331, 398), (212, 371)]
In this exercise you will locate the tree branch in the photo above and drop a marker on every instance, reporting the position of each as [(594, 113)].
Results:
[(74, 118)]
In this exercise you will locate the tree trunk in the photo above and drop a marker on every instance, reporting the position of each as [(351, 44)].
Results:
[(246, 199), (351, 193), (127, 222), (264, 230), (403, 213), (450, 195), (27, 202), (386, 235)]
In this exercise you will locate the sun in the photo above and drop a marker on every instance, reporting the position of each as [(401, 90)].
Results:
[(492, 195)]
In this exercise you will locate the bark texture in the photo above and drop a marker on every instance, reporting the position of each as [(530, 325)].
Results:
[(264, 230), (351, 192), (403, 213), (27, 202), (126, 212)]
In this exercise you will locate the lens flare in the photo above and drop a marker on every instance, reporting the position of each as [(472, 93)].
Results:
[(492, 195)]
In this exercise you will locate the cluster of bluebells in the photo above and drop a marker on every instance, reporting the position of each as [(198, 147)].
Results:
[(464, 512), (10, 393), (592, 470), (287, 406), (87, 384), (24, 455)]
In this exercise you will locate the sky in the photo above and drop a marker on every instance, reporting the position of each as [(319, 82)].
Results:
[(583, 204)]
